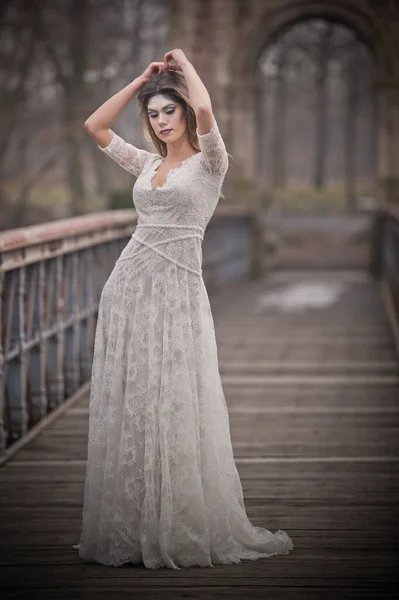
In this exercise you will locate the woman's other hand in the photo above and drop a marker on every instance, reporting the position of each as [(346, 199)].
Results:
[(178, 56)]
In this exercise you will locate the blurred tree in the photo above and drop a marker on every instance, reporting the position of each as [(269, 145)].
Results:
[(279, 121), (351, 71), (114, 67), (323, 54), (58, 62), (64, 30), (17, 54)]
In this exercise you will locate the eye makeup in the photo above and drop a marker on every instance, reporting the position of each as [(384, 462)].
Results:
[(169, 109)]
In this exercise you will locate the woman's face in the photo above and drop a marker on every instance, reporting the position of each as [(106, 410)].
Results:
[(166, 117)]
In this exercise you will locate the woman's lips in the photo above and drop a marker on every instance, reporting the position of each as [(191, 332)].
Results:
[(165, 131)]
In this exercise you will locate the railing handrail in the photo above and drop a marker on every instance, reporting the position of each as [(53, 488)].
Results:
[(13, 239)]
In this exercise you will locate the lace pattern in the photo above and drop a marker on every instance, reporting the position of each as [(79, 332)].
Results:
[(126, 155), (161, 483), (214, 155)]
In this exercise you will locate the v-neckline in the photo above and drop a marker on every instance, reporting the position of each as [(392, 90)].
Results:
[(154, 170)]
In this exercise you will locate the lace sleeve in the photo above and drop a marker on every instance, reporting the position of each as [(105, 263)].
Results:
[(129, 157), (214, 150)]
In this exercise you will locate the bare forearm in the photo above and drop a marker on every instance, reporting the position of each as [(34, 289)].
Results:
[(199, 97), (106, 114)]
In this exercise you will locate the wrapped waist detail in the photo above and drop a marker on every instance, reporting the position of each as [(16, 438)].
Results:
[(172, 235)]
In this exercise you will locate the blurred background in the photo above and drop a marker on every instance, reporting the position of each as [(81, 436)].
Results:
[(319, 137), (59, 61), (311, 137)]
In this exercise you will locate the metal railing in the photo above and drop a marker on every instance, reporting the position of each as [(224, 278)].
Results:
[(386, 262), (51, 278)]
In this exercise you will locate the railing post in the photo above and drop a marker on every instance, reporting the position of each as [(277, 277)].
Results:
[(72, 294), (37, 363), (55, 343), (3, 433), (16, 376), (377, 244), (88, 324), (257, 247), (386, 263)]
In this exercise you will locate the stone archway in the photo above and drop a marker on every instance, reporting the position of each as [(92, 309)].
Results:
[(224, 38), (261, 30)]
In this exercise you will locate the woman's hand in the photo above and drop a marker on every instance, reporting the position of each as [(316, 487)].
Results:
[(153, 69), (178, 56)]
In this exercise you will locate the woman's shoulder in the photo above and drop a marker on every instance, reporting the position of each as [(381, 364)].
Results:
[(213, 151)]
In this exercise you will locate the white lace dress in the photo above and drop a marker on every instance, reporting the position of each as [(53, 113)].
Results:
[(161, 484)]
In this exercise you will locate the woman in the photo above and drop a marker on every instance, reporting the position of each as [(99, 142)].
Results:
[(161, 484)]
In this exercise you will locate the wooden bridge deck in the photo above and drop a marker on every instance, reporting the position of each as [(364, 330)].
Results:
[(313, 398)]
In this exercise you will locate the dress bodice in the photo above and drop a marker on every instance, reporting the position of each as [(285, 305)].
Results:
[(191, 191)]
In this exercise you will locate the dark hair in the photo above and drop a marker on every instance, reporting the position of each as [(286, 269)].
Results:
[(171, 84)]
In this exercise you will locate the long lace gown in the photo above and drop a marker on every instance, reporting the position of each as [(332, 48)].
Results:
[(161, 483)]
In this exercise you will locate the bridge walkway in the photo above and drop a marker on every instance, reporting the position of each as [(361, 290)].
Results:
[(311, 379)]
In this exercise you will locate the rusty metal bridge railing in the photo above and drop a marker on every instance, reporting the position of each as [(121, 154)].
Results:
[(386, 263)]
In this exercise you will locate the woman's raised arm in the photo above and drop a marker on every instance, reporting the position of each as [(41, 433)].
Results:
[(214, 154), (199, 96)]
